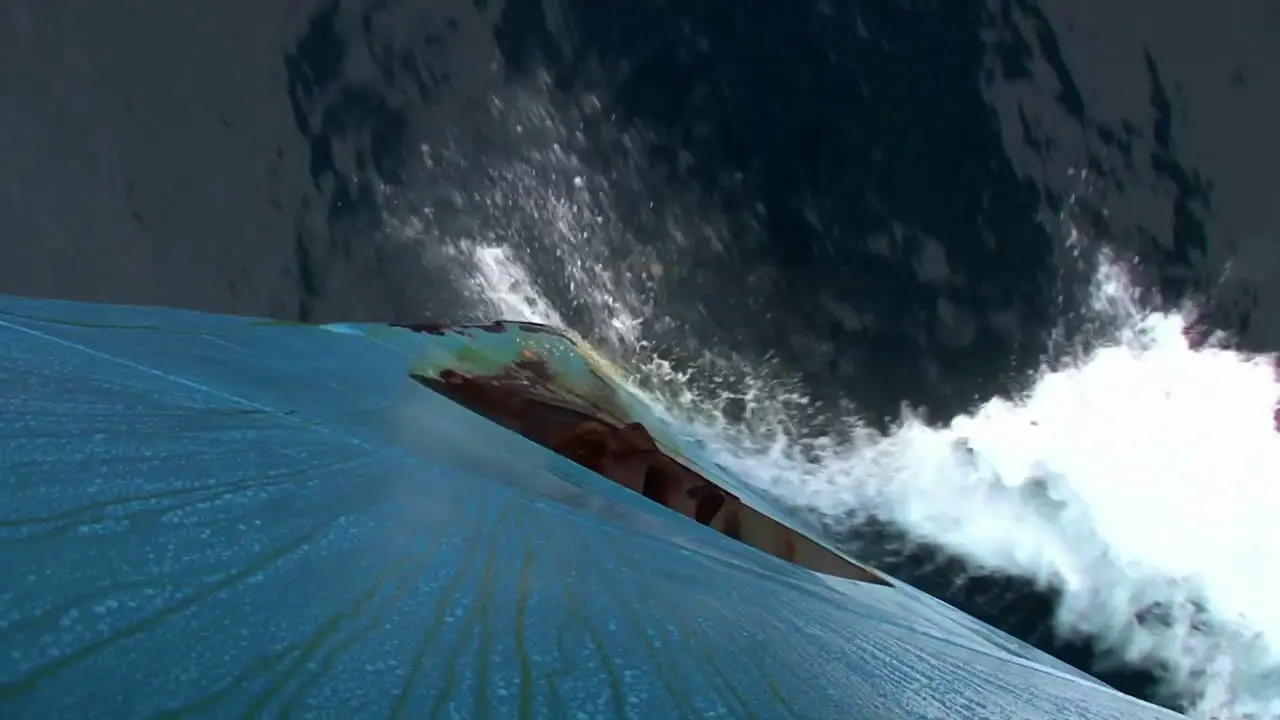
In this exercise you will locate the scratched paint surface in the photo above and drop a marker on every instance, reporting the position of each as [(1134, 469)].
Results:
[(207, 516)]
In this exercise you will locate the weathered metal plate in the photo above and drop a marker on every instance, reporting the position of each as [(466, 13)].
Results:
[(554, 390), (220, 517)]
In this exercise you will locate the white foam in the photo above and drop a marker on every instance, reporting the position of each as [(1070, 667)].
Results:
[(1140, 477), (1137, 478), (508, 288)]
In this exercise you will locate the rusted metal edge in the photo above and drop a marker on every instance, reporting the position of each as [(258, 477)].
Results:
[(586, 422), (497, 326)]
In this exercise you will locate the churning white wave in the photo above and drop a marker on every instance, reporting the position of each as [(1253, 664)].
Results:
[(1137, 483), (1135, 480)]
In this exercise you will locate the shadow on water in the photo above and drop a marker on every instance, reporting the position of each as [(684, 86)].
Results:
[(900, 168)]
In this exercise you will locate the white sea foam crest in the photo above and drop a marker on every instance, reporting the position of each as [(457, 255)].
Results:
[(1135, 478)]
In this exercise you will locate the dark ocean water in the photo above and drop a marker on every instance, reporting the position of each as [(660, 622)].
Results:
[(893, 180)]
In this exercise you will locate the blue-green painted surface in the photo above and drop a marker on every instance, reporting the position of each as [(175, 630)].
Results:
[(206, 516)]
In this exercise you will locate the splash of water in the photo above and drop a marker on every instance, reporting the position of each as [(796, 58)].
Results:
[(1135, 483), (1133, 480)]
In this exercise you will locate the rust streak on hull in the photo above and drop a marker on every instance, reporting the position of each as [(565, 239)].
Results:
[(527, 398)]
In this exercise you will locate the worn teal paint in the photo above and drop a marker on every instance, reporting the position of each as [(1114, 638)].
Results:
[(209, 516), (582, 373)]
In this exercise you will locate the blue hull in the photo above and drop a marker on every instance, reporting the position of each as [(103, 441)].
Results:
[(209, 516)]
